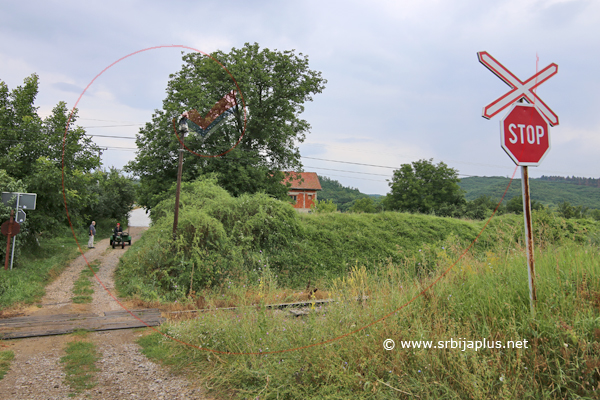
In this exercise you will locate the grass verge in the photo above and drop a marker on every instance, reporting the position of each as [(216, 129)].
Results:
[(24, 284), (82, 287), (40, 265), (79, 363), (5, 358), (483, 297)]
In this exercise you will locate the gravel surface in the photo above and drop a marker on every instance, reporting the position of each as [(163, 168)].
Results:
[(125, 373)]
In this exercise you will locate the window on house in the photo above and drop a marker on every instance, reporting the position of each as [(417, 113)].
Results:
[(294, 197)]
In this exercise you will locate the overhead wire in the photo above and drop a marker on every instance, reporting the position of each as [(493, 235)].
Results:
[(119, 148)]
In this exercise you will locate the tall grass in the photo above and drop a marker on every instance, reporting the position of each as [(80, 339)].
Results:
[(483, 296)]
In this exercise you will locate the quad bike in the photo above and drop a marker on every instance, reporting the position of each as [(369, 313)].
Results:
[(120, 239)]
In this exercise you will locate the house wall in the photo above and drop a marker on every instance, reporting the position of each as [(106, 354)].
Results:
[(304, 198)]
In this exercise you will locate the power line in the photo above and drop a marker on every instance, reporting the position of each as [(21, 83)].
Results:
[(349, 162), (109, 126), (340, 170), (368, 165), (114, 137), (123, 148), (108, 120), (353, 177)]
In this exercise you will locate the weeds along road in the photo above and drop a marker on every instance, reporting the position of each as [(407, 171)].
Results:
[(122, 371)]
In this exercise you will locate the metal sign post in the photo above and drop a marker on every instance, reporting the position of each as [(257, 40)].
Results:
[(8, 229), (524, 135), (528, 237), (203, 126), (12, 255), (20, 202), (178, 190)]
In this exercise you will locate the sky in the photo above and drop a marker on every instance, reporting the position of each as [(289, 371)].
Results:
[(403, 79)]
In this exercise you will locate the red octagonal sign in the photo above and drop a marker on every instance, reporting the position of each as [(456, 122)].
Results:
[(525, 135)]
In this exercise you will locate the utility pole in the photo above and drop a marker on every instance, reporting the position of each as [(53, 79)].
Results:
[(182, 129)]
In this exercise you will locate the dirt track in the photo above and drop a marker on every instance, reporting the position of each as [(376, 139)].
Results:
[(36, 371)]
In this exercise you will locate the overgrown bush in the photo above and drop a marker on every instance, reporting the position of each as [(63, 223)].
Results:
[(218, 237), (224, 239)]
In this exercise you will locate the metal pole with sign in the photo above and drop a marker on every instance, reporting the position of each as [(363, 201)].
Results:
[(178, 190), (24, 201), (12, 256), (9, 229), (528, 236), (524, 136)]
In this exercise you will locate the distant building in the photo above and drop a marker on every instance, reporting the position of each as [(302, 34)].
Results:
[(303, 190)]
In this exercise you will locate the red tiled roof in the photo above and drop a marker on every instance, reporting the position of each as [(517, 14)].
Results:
[(302, 180)]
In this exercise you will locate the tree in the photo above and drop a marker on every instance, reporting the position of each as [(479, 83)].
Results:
[(363, 205), (515, 205), (115, 193), (342, 196), (31, 150), (275, 85), (424, 187), (566, 210), (8, 184)]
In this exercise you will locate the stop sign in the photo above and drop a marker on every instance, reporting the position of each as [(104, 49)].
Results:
[(525, 135)]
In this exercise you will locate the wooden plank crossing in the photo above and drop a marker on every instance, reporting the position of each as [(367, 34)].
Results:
[(59, 324)]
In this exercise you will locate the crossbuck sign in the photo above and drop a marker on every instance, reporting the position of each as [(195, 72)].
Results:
[(519, 90)]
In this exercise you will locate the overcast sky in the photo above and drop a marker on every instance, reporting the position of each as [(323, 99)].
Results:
[(404, 82)]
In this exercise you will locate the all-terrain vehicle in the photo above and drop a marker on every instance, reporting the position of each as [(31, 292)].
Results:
[(120, 239)]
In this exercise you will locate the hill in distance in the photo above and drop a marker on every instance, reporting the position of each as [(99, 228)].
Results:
[(550, 191)]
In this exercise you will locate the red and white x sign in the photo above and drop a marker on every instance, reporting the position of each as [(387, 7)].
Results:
[(519, 89)]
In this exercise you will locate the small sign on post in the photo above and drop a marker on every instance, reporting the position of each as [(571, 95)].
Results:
[(524, 136), (19, 202), (26, 201), (9, 229)]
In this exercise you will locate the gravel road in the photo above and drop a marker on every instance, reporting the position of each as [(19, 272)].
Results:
[(125, 373)]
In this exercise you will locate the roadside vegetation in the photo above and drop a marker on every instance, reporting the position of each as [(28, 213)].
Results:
[(484, 296), (254, 250), (254, 239), (31, 159), (41, 264), (79, 363), (82, 287), (6, 357)]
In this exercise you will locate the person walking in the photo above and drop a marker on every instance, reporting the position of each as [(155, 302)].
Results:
[(92, 233)]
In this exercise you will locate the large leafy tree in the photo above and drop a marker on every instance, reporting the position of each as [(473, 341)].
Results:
[(424, 187), (115, 193), (274, 85), (31, 151)]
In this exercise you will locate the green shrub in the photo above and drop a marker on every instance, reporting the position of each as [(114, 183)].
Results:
[(219, 237), (226, 239)]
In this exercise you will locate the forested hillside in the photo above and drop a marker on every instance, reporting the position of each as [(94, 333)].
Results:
[(341, 195), (575, 180), (548, 192)]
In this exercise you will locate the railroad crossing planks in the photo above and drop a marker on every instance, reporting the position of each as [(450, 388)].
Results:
[(46, 325)]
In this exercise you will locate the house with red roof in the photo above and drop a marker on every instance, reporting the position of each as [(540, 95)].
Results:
[(303, 189)]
